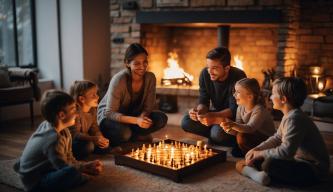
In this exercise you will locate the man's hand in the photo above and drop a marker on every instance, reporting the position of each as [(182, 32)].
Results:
[(144, 122), (206, 119), (93, 167), (101, 142), (193, 114), (252, 156)]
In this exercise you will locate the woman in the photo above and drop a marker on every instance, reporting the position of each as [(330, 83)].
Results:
[(126, 111)]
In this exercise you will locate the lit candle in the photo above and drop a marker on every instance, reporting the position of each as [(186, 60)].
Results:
[(205, 147)]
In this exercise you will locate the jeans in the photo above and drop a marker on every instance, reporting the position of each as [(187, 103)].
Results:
[(215, 133), (81, 149), (61, 180), (118, 132), (289, 172)]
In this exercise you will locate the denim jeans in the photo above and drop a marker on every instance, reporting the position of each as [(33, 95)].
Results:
[(81, 149), (291, 172), (121, 132), (61, 180), (215, 133)]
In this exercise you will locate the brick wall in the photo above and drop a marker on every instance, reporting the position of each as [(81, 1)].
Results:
[(315, 35), (259, 47)]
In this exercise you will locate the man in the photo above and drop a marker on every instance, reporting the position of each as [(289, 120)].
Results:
[(216, 99)]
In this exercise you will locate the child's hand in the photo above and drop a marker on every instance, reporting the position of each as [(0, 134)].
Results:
[(144, 122), (226, 124), (93, 167), (193, 114), (252, 156)]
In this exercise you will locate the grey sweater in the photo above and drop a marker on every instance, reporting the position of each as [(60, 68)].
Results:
[(258, 119), (116, 101), (46, 150), (298, 138)]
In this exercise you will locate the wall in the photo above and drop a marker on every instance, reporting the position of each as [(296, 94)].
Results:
[(315, 35), (96, 41), (71, 41)]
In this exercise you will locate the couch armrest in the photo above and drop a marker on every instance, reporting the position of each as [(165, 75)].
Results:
[(26, 76)]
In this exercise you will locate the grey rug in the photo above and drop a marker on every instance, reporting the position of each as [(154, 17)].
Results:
[(220, 177)]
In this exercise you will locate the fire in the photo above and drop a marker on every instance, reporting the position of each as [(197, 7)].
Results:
[(174, 71), (238, 62)]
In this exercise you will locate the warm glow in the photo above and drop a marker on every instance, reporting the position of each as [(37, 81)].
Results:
[(238, 62), (174, 71), (320, 86)]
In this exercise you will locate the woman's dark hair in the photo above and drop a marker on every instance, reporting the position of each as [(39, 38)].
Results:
[(293, 88), (133, 50), (252, 85), (53, 102), (79, 88), (221, 54)]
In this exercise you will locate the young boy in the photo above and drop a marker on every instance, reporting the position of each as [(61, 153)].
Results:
[(296, 154), (47, 162)]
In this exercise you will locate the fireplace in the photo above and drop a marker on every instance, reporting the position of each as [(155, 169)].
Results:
[(253, 48), (260, 34)]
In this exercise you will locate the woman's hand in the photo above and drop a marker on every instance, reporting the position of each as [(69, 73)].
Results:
[(101, 142), (144, 122), (93, 167)]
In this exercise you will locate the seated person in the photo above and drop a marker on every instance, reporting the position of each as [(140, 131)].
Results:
[(254, 123), (126, 110), (86, 134), (296, 154), (216, 82), (47, 162)]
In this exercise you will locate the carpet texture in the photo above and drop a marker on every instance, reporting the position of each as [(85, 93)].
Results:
[(219, 177)]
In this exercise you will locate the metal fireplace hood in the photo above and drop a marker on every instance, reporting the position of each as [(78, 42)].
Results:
[(211, 18)]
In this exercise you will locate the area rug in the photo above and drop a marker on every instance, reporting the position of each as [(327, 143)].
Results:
[(219, 177)]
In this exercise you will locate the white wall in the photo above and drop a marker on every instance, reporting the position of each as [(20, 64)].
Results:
[(47, 40), (71, 33)]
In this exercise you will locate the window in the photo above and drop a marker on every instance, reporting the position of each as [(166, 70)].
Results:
[(17, 40)]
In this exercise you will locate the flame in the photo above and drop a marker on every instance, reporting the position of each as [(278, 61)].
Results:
[(238, 62), (174, 71)]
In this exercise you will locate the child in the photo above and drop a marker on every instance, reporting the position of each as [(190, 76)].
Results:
[(296, 154), (47, 162), (86, 134), (253, 124)]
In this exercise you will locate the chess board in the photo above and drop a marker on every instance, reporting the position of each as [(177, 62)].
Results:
[(171, 159)]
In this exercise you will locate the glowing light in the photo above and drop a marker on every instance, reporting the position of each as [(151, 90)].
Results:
[(174, 71), (238, 62)]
